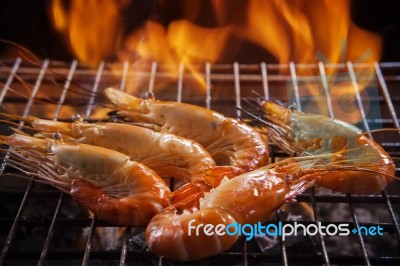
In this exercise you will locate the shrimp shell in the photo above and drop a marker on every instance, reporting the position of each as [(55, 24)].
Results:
[(356, 165), (104, 181), (249, 198), (229, 141), (167, 154)]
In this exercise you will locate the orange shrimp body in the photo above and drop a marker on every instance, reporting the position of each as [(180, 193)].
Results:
[(229, 141), (353, 163), (167, 154), (249, 198), (370, 174), (104, 181)]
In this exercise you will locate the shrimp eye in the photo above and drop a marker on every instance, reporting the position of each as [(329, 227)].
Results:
[(57, 135), (76, 118), (149, 95), (293, 107), (289, 178)]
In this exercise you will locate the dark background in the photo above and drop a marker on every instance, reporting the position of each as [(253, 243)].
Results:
[(26, 22)]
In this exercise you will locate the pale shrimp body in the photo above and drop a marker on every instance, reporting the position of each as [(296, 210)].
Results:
[(248, 198), (167, 154), (104, 181), (229, 141), (364, 165)]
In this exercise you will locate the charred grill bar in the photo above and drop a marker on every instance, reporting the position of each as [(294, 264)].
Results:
[(63, 232)]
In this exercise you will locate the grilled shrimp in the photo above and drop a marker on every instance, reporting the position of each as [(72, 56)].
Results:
[(104, 181), (167, 154), (248, 198), (229, 141), (358, 165)]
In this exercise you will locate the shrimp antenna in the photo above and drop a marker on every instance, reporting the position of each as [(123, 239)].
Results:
[(280, 132), (258, 118), (352, 168), (262, 98), (381, 130), (27, 119), (28, 56), (253, 102), (31, 58), (259, 96)]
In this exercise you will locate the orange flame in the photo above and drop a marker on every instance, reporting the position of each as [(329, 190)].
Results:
[(91, 27), (300, 30), (292, 30), (172, 45)]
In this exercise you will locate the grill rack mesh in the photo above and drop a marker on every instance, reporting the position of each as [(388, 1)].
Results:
[(220, 87)]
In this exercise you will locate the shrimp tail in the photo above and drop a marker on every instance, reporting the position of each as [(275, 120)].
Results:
[(188, 196), (118, 211)]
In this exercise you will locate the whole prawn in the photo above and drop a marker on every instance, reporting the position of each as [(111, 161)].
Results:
[(167, 154), (229, 141), (104, 181), (364, 165), (248, 198)]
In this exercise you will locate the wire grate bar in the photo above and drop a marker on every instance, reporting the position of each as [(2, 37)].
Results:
[(15, 224), (321, 237), (208, 85), (284, 255), (22, 205), (282, 243), (124, 250), (357, 226), (264, 75), (94, 89), (267, 79), (65, 89), (50, 233), (312, 194), (358, 97), (180, 82), (88, 248), (245, 260), (295, 85), (386, 93), (10, 79), (61, 198), (326, 88), (237, 89), (152, 76), (6, 87), (88, 113), (392, 111), (124, 76), (367, 128)]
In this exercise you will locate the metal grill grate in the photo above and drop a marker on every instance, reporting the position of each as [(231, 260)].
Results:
[(40, 225)]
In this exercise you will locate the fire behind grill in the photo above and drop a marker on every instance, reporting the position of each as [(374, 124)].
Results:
[(40, 225)]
